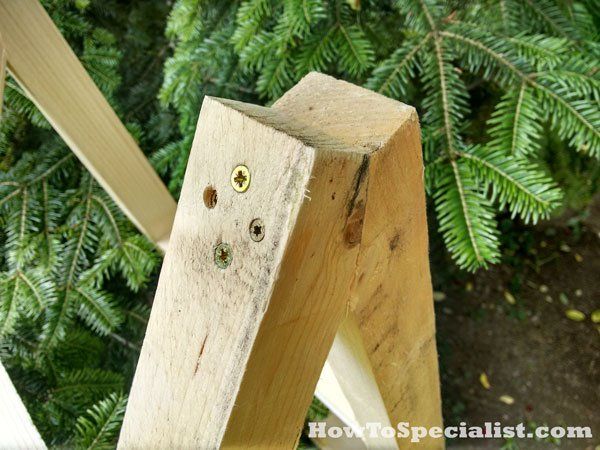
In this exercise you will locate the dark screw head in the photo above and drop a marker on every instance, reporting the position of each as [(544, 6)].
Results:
[(257, 230)]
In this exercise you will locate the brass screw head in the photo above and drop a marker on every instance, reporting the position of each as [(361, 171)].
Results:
[(240, 178), (257, 230), (223, 255)]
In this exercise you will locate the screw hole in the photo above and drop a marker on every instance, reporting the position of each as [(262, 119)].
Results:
[(210, 197)]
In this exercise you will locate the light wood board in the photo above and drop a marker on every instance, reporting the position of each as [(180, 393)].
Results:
[(391, 297), (16, 428), (348, 233), (17, 431), (47, 69), (232, 356)]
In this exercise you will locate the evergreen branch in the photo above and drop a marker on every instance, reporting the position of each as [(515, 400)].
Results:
[(577, 111), (23, 215), (317, 52), (393, 73), (9, 196), (99, 428), (86, 384), (540, 50), (360, 55), (48, 240), (56, 324), (274, 78), (516, 182), (444, 96), (551, 15), (121, 340), (503, 14), (499, 57), (515, 124), (465, 218), (584, 113), (37, 293), (466, 212), (137, 316), (53, 168), (83, 230), (428, 15), (8, 306), (98, 310), (44, 175), (110, 216)]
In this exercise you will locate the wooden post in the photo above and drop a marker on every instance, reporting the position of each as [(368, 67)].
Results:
[(16, 428), (47, 69), (393, 317), (386, 341), (232, 355), (17, 431), (132, 185)]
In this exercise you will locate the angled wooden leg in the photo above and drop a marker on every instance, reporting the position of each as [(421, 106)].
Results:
[(44, 65), (49, 72), (235, 346), (349, 387), (340, 123), (16, 428), (388, 339), (232, 355)]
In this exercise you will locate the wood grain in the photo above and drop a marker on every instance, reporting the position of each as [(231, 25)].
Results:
[(231, 357), (323, 114), (17, 431), (391, 296), (47, 69), (16, 428)]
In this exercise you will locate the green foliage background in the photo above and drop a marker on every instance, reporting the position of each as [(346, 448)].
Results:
[(507, 91)]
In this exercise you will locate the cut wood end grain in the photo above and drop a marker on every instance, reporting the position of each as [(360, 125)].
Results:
[(358, 117)]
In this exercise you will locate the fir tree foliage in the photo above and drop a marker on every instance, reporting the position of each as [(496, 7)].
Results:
[(99, 427), (73, 267), (541, 56)]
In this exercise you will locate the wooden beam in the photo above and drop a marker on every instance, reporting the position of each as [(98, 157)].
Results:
[(349, 388), (71, 102), (17, 431), (131, 184), (392, 317), (47, 69), (232, 356), (16, 428)]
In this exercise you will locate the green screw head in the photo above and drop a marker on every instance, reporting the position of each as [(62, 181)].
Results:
[(223, 255)]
